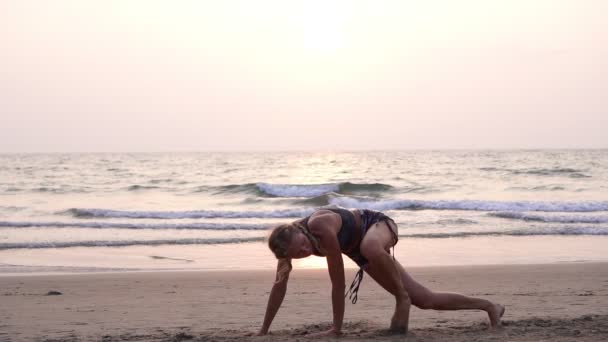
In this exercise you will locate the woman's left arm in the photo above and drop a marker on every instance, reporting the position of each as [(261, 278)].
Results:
[(335, 265)]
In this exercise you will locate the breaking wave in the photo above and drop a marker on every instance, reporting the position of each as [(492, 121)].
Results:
[(551, 218), (115, 225), (190, 214), (477, 205), (298, 190), (560, 231), (102, 243)]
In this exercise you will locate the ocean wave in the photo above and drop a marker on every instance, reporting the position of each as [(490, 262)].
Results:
[(137, 187), (538, 188), (192, 214), (12, 208), (160, 180), (125, 243), (326, 199), (457, 221), (61, 189), (563, 231), (317, 201), (52, 190), (351, 202), (348, 187), (116, 225), (551, 218), (477, 205), (297, 190), (556, 171), (566, 231)]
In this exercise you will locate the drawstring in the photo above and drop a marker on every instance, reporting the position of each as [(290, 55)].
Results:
[(354, 287)]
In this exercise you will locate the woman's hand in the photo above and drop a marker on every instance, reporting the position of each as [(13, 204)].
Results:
[(331, 332)]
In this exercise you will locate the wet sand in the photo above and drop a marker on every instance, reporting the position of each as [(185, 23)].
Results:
[(557, 302)]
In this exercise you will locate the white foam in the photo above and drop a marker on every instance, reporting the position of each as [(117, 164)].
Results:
[(124, 243), (478, 205), (297, 190), (191, 214), (565, 231), (102, 225), (551, 218)]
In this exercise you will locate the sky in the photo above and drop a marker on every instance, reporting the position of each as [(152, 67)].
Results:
[(145, 75)]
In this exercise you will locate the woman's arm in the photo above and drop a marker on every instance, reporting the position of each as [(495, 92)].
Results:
[(277, 294), (335, 267), (326, 227)]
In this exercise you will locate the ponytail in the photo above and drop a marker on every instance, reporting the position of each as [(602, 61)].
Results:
[(283, 269)]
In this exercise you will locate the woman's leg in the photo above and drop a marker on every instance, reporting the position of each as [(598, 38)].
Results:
[(424, 298), (383, 269)]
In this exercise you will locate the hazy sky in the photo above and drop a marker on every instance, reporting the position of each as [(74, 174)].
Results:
[(104, 75)]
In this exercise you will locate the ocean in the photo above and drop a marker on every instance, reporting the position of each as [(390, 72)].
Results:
[(175, 211)]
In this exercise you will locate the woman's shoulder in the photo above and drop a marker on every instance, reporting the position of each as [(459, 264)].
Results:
[(323, 219), (322, 214), (330, 209)]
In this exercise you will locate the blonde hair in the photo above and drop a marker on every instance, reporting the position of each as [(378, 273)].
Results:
[(279, 241)]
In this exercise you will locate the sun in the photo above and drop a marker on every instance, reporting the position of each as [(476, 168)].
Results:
[(322, 40), (323, 37), (322, 27)]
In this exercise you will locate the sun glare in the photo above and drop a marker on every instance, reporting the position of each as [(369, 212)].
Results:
[(322, 27), (310, 262), (319, 262), (322, 39)]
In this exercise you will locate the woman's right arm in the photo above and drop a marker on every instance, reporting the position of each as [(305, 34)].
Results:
[(277, 293)]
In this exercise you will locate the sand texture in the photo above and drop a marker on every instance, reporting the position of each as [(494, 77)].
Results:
[(559, 302)]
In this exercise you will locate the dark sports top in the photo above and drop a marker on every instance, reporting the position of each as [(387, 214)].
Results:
[(349, 235)]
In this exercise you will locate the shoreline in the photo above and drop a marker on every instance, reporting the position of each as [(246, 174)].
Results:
[(544, 301), (70, 270), (411, 252)]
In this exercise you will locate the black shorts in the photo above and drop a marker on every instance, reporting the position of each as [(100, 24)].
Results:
[(368, 219)]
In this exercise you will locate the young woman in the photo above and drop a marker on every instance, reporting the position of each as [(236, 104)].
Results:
[(366, 237)]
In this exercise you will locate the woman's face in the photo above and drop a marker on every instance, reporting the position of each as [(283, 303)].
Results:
[(300, 247)]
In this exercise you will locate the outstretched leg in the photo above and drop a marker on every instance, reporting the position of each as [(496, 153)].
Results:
[(424, 298), (375, 248)]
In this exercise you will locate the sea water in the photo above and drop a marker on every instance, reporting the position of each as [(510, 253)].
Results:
[(148, 211)]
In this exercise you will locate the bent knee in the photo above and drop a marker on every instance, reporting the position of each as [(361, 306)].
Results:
[(403, 296)]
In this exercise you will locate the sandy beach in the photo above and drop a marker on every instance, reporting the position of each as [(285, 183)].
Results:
[(557, 302), (149, 150)]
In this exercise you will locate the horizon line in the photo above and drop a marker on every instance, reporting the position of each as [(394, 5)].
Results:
[(500, 149)]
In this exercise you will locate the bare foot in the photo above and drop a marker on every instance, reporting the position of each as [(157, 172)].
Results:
[(495, 314), (400, 319)]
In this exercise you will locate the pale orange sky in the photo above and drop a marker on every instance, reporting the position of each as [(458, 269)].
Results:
[(125, 75)]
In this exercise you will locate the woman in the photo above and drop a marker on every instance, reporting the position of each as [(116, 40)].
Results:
[(366, 237)]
